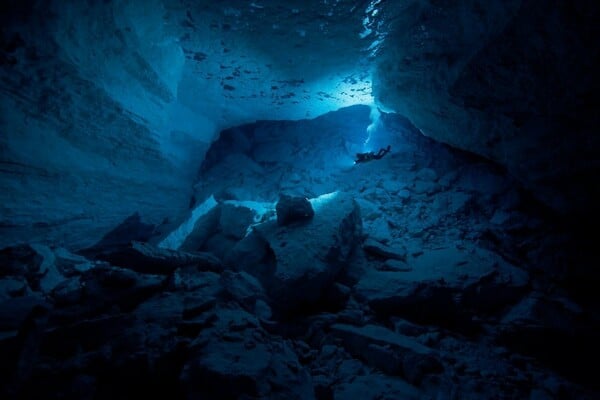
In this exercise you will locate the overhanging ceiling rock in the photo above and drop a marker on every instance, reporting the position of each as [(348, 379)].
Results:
[(126, 95), (220, 64), (513, 81)]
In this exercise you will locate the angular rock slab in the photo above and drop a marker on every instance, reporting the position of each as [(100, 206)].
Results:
[(308, 257), (106, 287), (554, 330), (444, 284), (34, 262), (242, 287), (393, 353), (376, 249)]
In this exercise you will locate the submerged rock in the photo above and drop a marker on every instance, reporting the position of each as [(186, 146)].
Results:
[(68, 292), (107, 287), (305, 259), (393, 353), (380, 250), (23, 261), (293, 209), (252, 253), (145, 258), (242, 287), (50, 274), (205, 227), (445, 286), (555, 331), (395, 265), (236, 359), (235, 220), (70, 264), (189, 278)]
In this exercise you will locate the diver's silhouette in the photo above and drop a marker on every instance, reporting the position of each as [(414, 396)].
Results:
[(364, 157)]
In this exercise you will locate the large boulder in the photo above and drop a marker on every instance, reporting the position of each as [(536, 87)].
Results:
[(554, 330), (445, 286), (235, 358), (252, 253), (306, 258)]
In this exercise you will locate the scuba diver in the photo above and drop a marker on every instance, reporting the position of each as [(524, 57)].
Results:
[(364, 157)]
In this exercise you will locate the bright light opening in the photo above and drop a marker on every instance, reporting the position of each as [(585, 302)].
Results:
[(374, 116)]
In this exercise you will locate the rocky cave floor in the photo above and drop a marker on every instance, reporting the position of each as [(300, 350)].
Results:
[(430, 274)]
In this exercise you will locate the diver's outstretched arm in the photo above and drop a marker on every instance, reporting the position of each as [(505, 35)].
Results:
[(383, 152)]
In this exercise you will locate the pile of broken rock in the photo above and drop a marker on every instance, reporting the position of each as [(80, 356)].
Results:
[(294, 312)]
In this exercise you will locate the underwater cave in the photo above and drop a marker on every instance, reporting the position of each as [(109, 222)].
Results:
[(322, 199)]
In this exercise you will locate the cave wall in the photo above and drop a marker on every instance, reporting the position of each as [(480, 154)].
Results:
[(82, 146), (108, 107), (513, 81)]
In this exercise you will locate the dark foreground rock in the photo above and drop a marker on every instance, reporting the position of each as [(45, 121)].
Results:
[(447, 287), (552, 329), (146, 258), (393, 353), (109, 332), (236, 358)]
